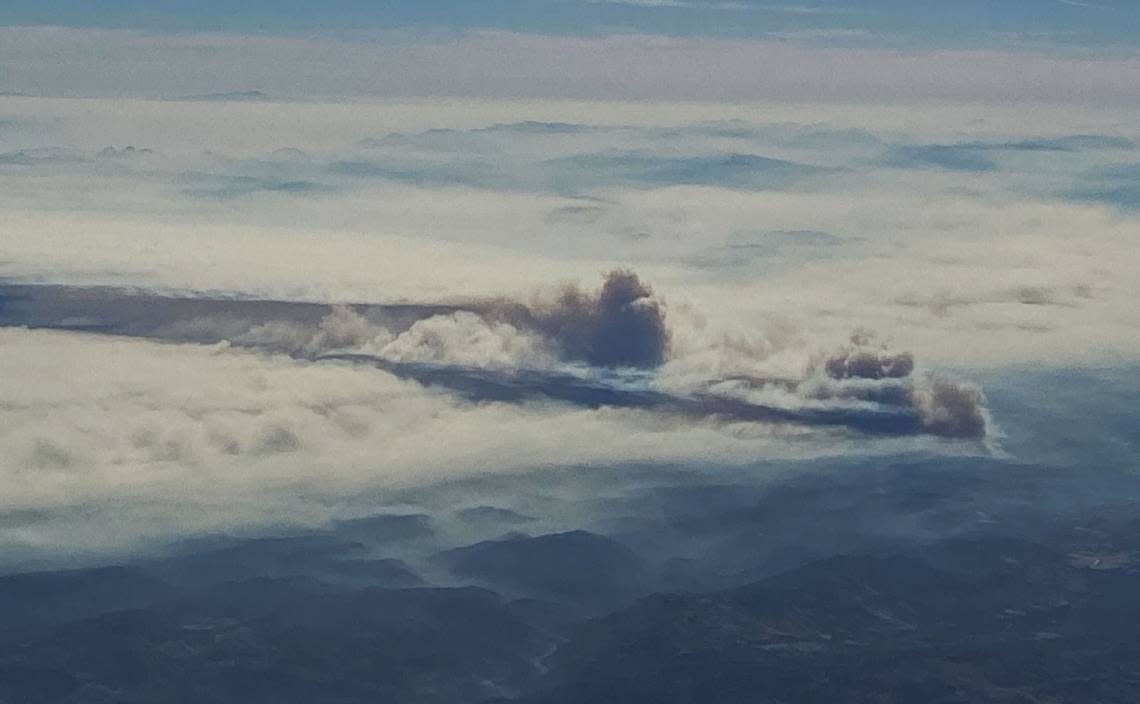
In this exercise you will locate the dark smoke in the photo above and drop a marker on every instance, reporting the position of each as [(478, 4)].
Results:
[(483, 385), (854, 363), (623, 325), (255, 323), (952, 410)]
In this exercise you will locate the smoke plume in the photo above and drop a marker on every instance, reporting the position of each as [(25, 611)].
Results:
[(510, 351), (621, 325)]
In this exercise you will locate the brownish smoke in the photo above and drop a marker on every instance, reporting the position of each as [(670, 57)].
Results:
[(622, 325)]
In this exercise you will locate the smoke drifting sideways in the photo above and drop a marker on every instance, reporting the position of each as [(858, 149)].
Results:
[(588, 348)]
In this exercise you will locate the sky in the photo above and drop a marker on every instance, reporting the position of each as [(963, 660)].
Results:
[(921, 24), (544, 234), (864, 50)]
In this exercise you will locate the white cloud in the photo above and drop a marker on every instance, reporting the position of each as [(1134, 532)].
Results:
[(467, 340)]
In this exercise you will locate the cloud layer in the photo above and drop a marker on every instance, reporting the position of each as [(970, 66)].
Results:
[(353, 298), (148, 442), (485, 199)]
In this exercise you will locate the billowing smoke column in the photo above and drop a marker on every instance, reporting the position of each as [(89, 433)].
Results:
[(622, 325), (951, 410)]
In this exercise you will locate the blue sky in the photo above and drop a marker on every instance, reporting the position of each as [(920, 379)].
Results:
[(1096, 24)]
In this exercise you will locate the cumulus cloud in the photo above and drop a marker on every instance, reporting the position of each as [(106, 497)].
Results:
[(341, 328), (466, 339)]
